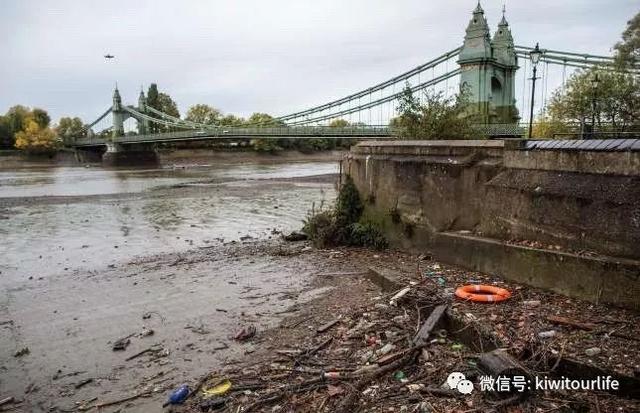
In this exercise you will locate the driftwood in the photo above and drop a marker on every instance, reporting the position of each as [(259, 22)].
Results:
[(145, 351), (427, 327), (314, 350), (123, 400), (498, 363), (346, 406), (280, 393), (343, 274), (7, 400), (420, 340), (327, 326)]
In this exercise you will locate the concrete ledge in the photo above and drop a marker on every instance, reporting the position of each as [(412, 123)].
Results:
[(438, 148), (467, 143), (387, 281), (602, 280), (583, 161)]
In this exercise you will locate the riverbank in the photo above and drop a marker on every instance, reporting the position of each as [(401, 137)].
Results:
[(314, 312), (13, 159), (389, 334)]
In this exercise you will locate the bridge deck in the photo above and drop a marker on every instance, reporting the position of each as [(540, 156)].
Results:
[(368, 132)]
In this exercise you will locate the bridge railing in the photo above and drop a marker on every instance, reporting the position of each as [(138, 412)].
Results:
[(275, 132)]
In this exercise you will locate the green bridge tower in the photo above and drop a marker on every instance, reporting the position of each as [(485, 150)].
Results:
[(488, 70)]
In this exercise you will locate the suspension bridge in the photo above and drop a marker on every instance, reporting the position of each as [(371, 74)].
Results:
[(486, 66)]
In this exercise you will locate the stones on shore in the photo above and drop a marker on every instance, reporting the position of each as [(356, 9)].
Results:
[(295, 236)]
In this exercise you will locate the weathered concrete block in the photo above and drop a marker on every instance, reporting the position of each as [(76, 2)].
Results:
[(604, 279), (566, 198)]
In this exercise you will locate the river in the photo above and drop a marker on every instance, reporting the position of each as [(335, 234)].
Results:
[(67, 217), (91, 255)]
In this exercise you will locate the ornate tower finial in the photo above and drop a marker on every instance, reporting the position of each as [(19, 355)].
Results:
[(478, 8), (116, 95), (503, 21)]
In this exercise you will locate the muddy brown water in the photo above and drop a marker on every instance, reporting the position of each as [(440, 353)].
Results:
[(90, 255)]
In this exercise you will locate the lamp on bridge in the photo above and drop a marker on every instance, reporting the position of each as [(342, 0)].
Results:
[(535, 56), (594, 101)]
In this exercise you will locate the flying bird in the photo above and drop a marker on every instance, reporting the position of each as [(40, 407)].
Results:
[(109, 56)]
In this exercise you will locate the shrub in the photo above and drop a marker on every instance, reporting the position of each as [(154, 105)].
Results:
[(343, 224), (367, 234), (321, 229)]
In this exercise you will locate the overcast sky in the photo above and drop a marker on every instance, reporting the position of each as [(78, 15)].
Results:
[(245, 56)]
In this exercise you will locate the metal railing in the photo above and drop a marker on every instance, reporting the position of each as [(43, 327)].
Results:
[(308, 132)]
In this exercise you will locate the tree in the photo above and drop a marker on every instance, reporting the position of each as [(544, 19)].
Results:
[(548, 128), (204, 114), (167, 105), (339, 123), (70, 129), (152, 96), (231, 120), (14, 121), (15, 118), (162, 102), (263, 119), (437, 117), (628, 49), (6, 136), (41, 117), (617, 100), (258, 120), (35, 138)]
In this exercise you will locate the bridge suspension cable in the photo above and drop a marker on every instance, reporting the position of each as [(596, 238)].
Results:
[(139, 115), (377, 102), (178, 120), (95, 122), (571, 59), (365, 92)]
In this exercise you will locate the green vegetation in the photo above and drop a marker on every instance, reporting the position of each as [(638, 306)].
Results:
[(36, 136), (613, 102), (344, 224), (205, 114), (27, 129), (434, 117), (162, 102), (628, 49), (70, 128)]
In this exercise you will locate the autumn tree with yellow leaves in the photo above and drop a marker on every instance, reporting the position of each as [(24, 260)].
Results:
[(36, 137)]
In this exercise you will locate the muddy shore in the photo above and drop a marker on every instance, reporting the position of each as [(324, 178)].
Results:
[(287, 291)]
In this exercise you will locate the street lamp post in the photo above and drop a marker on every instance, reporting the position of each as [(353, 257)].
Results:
[(535, 55), (594, 101)]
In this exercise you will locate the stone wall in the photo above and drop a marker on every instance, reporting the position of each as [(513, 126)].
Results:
[(576, 202)]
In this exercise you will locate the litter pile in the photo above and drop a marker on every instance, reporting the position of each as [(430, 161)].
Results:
[(418, 348)]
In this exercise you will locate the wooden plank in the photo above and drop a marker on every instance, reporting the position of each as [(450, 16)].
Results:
[(556, 319), (423, 334), (327, 326)]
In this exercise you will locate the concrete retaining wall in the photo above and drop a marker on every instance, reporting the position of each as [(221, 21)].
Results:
[(582, 203)]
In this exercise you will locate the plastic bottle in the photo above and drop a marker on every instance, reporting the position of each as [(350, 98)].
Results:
[(178, 395)]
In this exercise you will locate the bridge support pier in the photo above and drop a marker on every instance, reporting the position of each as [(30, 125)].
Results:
[(139, 154), (89, 155)]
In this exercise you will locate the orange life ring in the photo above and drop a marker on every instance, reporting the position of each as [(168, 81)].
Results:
[(483, 293)]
